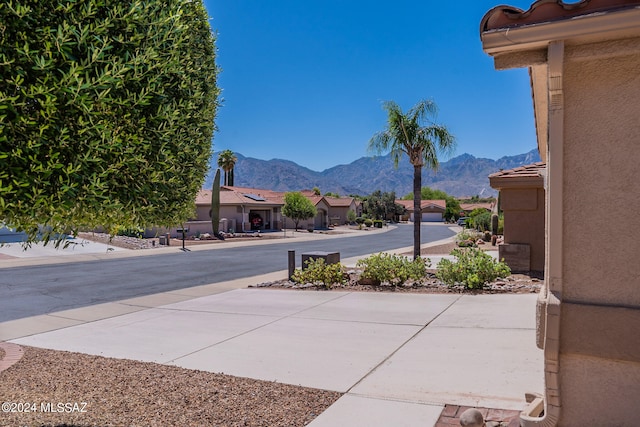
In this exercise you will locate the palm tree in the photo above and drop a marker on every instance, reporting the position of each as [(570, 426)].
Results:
[(227, 161), (415, 134)]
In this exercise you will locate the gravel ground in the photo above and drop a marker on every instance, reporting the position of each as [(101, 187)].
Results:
[(448, 247), (99, 391)]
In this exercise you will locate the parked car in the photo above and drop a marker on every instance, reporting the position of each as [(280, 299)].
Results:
[(462, 221)]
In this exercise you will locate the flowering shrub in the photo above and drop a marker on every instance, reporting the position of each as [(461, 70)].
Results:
[(320, 273), (394, 269), (473, 269)]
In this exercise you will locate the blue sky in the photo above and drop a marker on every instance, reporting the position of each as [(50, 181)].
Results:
[(304, 80)]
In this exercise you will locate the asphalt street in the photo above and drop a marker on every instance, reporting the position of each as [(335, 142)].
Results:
[(40, 289)]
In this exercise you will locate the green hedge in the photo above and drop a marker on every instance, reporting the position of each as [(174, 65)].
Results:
[(107, 112)]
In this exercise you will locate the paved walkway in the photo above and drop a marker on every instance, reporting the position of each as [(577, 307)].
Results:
[(400, 359)]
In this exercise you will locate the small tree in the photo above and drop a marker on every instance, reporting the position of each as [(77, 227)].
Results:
[(351, 216), (297, 207)]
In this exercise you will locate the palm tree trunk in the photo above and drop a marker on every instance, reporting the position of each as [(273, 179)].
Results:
[(417, 213)]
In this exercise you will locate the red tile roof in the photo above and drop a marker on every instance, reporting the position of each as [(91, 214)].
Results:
[(234, 196), (239, 196), (548, 11), (468, 207), (408, 204), (339, 201), (532, 170), (528, 175)]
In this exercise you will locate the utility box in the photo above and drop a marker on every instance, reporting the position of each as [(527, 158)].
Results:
[(516, 256), (329, 257)]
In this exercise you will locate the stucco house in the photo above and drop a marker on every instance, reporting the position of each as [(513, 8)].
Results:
[(338, 208), (245, 209), (584, 61), (241, 210), (431, 210)]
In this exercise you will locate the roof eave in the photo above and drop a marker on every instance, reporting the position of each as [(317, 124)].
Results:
[(619, 23), (502, 182)]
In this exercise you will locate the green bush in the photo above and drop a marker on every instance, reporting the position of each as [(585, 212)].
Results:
[(394, 269), (107, 111), (482, 222), (130, 232), (320, 273), (360, 220), (368, 222), (473, 269), (378, 223)]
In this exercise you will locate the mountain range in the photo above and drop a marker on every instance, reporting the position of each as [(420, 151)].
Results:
[(461, 176)]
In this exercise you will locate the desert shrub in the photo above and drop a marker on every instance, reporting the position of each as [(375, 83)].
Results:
[(368, 222), (320, 273), (467, 238), (378, 223), (130, 232), (360, 220), (473, 268), (482, 222), (394, 269)]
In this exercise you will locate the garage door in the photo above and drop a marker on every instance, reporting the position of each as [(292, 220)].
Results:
[(432, 217)]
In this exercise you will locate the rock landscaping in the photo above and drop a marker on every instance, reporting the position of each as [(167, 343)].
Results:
[(99, 391), (516, 283)]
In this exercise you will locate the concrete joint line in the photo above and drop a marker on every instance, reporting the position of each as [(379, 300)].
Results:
[(256, 328), (358, 321), (402, 345)]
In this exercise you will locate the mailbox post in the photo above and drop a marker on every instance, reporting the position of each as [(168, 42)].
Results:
[(183, 231)]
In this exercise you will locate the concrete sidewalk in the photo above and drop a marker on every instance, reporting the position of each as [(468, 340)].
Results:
[(399, 358)]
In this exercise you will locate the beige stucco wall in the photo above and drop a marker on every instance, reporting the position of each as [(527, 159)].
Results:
[(600, 345), (338, 214), (602, 175), (524, 221)]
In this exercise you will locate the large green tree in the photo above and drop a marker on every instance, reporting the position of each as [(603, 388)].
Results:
[(227, 162), (379, 205), (416, 134), (297, 207), (106, 112)]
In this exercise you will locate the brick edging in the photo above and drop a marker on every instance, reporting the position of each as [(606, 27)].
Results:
[(12, 354), (495, 417)]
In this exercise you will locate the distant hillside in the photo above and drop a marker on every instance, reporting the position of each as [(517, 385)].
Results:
[(464, 175)]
